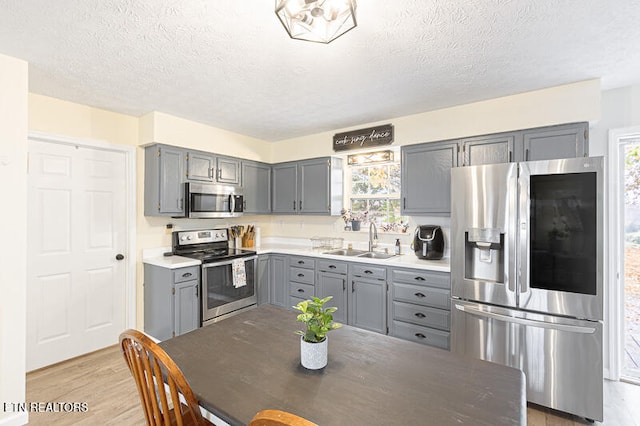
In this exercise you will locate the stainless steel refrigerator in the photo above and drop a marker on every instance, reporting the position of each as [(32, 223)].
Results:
[(527, 275)]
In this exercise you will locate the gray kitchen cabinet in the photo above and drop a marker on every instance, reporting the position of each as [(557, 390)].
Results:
[(548, 143), (171, 300), (426, 177), (301, 279), (263, 279), (256, 187), (284, 188), (201, 166), (164, 175), (368, 297), (208, 167), (420, 306), (332, 281), (488, 149), (278, 280), (308, 187)]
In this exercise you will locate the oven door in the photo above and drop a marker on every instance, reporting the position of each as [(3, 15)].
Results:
[(221, 293), (560, 227)]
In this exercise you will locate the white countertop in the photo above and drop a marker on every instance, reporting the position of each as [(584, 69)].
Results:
[(296, 248)]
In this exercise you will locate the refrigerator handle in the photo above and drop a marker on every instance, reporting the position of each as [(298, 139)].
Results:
[(524, 321), (512, 232), (522, 260)]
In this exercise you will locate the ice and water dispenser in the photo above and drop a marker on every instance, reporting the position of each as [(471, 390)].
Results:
[(484, 254)]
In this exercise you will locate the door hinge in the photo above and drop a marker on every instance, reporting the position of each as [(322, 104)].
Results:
[(586, 134), (158, 206), (158, 152), (173, 290)]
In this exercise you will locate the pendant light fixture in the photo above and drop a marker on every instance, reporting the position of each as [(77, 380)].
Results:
[(320, 21)]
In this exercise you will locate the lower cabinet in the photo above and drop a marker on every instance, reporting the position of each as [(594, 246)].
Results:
[(301, 279), (171, 300), (278, 282), (262, 288), (332, 281), (420, 306), (367, 296)]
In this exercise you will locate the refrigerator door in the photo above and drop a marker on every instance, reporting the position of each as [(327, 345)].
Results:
[(560, 256), (561, 358), (483, 234)]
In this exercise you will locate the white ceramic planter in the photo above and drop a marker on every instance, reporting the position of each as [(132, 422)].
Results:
[(313, 355)]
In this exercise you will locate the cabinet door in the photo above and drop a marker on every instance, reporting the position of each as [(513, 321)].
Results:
[(228, 171), (256, 180), (426, 178), (565, 141), (278, 282), (313, 187), (187, 308), (330, 284), (171, 171), (285, 188), (263, 280), (367, 306), (488, 149), (200, 167)]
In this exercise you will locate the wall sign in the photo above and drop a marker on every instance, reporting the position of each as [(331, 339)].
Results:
[(363, 138)]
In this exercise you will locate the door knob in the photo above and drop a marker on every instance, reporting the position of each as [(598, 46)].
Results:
[(119, 256)]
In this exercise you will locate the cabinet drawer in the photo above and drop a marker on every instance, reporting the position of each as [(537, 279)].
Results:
[(186, 274), (304, 291), (367, 271), (301, 275), (417, 333), (332, 266), (293, 301), (426, 296), (302, 262), (421, 315), (414, 276)]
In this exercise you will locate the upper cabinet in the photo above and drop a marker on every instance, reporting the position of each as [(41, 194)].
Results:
[(426, 183), (308, 187), (256, 178), (549, 143), (426, 177), (205, 167), (164, 174), (543, 143), (489, 149)]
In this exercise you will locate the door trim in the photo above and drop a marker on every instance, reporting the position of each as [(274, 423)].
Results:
[(614, 332), (130, 199)]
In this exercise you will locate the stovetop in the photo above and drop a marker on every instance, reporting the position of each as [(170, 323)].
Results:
[(217, 254)]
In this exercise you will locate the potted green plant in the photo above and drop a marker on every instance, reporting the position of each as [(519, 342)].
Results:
[(319, 321)]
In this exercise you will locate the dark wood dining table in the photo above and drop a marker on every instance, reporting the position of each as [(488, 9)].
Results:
[(251, 362)]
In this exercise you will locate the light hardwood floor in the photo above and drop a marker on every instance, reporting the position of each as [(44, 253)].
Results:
[(103, 381)]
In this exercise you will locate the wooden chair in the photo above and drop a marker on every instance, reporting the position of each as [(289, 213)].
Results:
[(278, 418), (151, 367)]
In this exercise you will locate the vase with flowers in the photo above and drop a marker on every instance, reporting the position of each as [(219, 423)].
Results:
[(355, 219)]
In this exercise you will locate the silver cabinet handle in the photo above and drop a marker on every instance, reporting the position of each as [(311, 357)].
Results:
[(529, 322)]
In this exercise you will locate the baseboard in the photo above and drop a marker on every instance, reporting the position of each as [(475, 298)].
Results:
[(15, 419)]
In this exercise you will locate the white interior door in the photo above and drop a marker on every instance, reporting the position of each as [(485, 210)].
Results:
[(76, 286)]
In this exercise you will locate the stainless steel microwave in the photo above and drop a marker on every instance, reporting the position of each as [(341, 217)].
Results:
[(205, 201)]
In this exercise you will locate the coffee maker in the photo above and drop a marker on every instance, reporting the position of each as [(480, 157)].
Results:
[(428, 242)]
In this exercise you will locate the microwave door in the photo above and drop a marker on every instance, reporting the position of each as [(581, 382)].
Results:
[(560, 257)]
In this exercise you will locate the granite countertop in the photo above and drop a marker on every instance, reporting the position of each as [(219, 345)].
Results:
[(298, 247)]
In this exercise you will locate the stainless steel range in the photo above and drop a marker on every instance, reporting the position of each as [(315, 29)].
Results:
[(228, 274)]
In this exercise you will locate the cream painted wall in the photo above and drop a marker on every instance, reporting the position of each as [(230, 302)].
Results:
[(562, 104), (189, 134), (13, 261)]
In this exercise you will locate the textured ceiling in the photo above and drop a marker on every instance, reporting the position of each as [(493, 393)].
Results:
[(230, 64)]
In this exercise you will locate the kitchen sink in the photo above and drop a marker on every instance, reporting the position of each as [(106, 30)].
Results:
[(376, 255), (359, 253), (345, 252)]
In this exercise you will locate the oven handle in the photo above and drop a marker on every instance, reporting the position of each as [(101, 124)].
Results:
[(228, 262)]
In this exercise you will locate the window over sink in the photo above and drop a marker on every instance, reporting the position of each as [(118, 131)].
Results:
[(372, 188)]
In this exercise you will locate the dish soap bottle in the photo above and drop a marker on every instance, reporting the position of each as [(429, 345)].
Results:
[(397, 246)]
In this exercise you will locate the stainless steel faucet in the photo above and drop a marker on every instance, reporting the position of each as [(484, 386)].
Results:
[(373, 235)]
